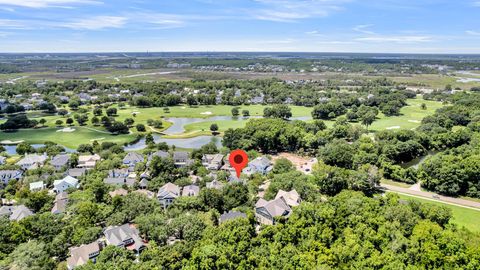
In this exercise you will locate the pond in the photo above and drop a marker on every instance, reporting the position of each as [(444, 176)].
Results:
[(179, 122), (12, 149), (195, 142), (415, 163)]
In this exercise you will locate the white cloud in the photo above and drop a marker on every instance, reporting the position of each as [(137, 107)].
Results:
[(473, 33), (46, 3), (12, 24), (396, 39), (97, 23), (294, 10), (476, 4), (363, 29)]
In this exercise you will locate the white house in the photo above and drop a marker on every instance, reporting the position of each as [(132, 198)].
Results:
[(64, 184)]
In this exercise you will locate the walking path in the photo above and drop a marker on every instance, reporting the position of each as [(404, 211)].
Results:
[(432, 196)]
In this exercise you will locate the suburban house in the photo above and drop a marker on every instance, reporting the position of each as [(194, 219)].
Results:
[(32, 161), (16, 213), (145, 192), (191, 190), (60, 161), (215, 184), (266, 211), (126, 236), (120, 177), (82, 254), (181, 159), (76, 172), (2, 160), (37, 186), (118, 192), (64, 184), (212, 162), (291, 198), (132, 159), (231, 215), (88, 161), (167, 194), (143, 184), (60, 203), (7, 175), (160, 154), (261, 165)]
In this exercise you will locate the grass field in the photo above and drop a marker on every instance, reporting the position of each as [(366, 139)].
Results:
[(410, 118), (461, 216), (70, 140)]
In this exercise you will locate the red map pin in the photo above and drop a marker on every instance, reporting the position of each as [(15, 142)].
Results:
[(238, 160)]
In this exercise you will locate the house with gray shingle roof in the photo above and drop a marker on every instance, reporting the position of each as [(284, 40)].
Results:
[(231, 215), (65, 183), (126, 236), (76, 172), (82, 254), (60, 203), (168, 193), (260, 165), (215, 184), (32, 161), (191, 190), (266, 211), (212, 162), (132, 159), (16, 213), (60, 161), (7, 175), (160, 154), (181, 159)]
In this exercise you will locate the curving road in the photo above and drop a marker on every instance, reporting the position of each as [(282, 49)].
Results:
[(432, 196)]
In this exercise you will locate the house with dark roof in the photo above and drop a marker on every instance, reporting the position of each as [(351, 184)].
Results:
[(126, 236), (266, 211), (60, 161), (160, 154), (182, 159), (82, 254), (168, 193), (16, 213), (231, 216)]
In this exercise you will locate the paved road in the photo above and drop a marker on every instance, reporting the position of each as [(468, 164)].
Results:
[(430, 196)]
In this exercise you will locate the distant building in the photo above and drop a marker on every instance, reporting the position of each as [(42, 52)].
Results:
[(212, 162), (88, 161), (132, 159), (32, 161), (261, 165), (7, 175), (16, 213), (231, 216), (168, 193), (60, 161), (60, 203), (215, 184), (2, 160), (181, 159), (118, 192), (37, 186), (76, 172), (191, 190), (291, 198)]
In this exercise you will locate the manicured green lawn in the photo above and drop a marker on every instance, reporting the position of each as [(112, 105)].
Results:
[(463, 217), (81, 135)]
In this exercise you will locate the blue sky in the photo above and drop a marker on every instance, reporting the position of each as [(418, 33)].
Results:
[(396, 26)]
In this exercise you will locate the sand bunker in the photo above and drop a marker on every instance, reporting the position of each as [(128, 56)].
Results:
[(206, 113), (67, 129), (394, 127), (97, 139), (11, 142), (414, 121)]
